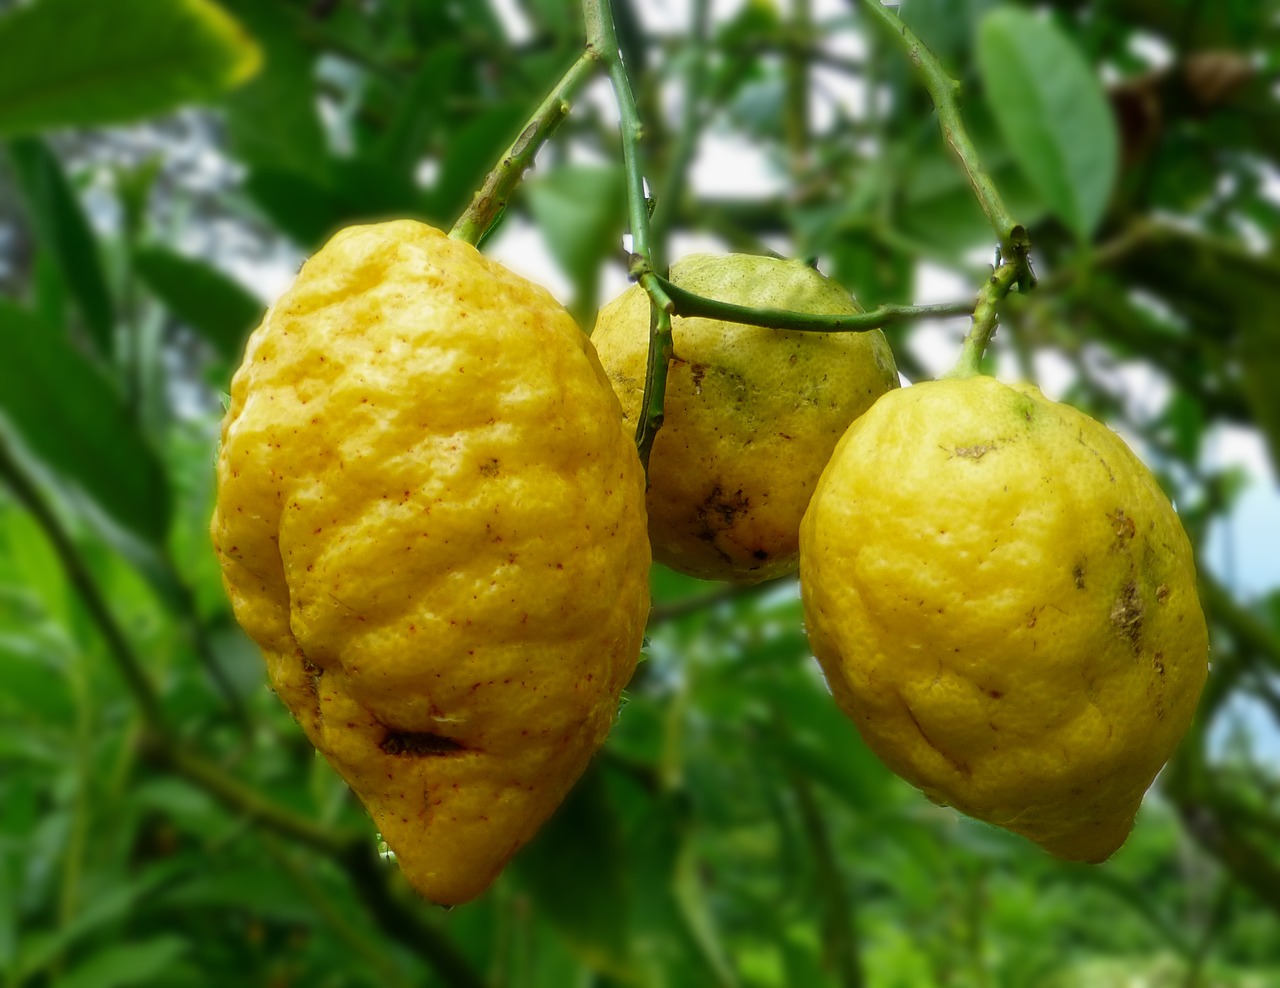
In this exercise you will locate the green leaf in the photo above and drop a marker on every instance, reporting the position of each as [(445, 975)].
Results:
[(62, 228), (126, 964), (575, 870), (214, 304), (70, 63), (69, 416), (580, 210), (1051, 109), (306, 210)]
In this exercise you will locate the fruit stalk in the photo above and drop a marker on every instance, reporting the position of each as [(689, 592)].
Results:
[(984, 320)]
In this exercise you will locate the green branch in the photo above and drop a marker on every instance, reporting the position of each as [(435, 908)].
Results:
[(501, 182), (686, 303), (602, 40), (1015, 244)]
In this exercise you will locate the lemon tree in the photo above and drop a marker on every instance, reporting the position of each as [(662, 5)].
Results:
[(176, 811)]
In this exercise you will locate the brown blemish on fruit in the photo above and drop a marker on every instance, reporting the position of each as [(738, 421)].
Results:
[(719, 512), (1122, 525), (1162, 593), (976, 452), (1126, 615), (419, 743), (490, 467), (1077, 574)]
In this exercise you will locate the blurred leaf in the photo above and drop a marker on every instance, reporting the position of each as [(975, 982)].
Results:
[(471, 151), (126, 964), (273, 119), (70, 63), (404, 141), (263, 893), (1052, 112), (33, 688), (306, 210), (580, 210), (61, 226), (133, 188), (71, 418), (106, 907), (1260, 370), (575, 869), (214, 304)]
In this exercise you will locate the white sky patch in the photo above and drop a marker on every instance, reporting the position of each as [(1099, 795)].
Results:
[(517, 26)]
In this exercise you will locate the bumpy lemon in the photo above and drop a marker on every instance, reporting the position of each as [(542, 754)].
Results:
[(752, 414), (431, 518), (1004, 603)]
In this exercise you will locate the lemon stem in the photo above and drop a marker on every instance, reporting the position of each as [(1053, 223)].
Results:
[(1015, 244), (985, 319), (504, 178), (602, 40), (687, 303)]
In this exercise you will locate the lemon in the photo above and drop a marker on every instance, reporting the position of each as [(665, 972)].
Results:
[(430, 516), (752, 414), (1004, 602)]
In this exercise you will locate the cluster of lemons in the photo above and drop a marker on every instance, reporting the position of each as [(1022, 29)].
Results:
[(432, 518)]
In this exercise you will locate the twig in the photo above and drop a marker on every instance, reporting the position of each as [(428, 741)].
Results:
[(688, 304), (1015, 244), (487, 204), (602, 39)]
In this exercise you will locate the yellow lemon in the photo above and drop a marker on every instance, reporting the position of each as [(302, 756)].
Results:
[(1004, 602), (752, 414), (430, 516)]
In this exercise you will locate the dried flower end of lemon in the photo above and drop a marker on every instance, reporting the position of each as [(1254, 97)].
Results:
[(431, 518), (1004, 602)]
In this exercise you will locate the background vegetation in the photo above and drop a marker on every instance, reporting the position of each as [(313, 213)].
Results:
[(163, 822)]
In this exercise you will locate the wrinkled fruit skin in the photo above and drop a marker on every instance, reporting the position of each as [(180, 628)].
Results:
[(1004, 602), (431, 518), (752, 414)]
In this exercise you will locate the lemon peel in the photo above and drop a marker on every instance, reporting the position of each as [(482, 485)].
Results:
[(1004, 602), (430, 517), (751, 413)]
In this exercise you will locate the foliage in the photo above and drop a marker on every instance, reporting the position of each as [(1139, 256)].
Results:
[(163, 822)]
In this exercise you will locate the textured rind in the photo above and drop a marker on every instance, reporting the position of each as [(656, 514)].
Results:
[(752, 414), (1004, 602), (431, 518)]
